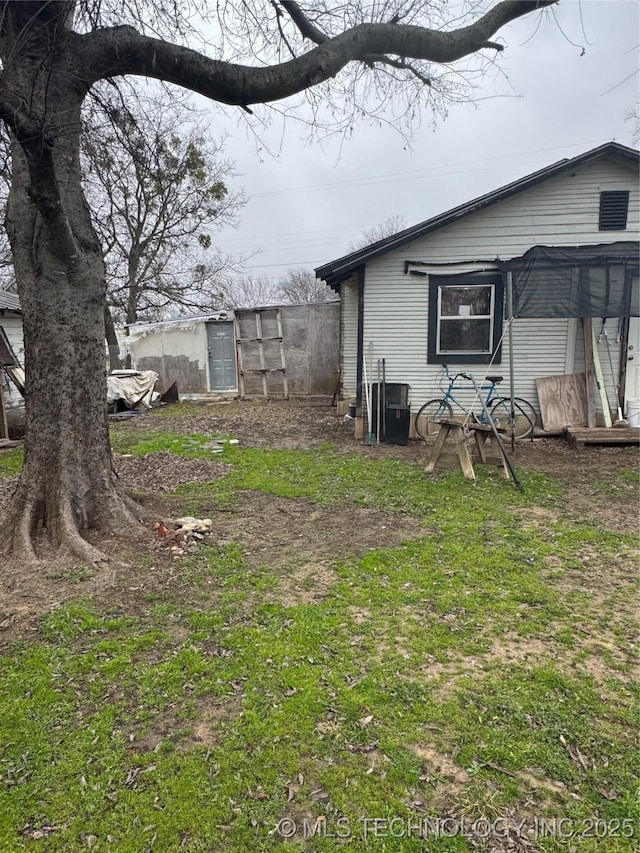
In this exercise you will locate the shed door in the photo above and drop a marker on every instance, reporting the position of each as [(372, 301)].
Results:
[(222, 356), (632, 384)]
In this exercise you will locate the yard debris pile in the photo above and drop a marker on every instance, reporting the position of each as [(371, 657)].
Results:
[(132, 392), (179, 533), (163, 471)]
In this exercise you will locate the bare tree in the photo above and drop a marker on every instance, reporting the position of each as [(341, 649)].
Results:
[(53, 54), (301, 285), (249, 292), (633, 117), (388, 228), (156, 185), (7, 278)]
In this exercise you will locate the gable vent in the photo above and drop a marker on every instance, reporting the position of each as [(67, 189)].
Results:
[(614, 206)]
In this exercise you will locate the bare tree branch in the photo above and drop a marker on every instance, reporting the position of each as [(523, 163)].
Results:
[(122, 50), (157, 184), (302, 22)]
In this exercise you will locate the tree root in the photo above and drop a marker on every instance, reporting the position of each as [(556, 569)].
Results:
[(64, 520), (19, 540), (73, 543)]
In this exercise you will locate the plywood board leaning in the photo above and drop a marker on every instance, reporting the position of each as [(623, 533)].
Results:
[(563, 401)]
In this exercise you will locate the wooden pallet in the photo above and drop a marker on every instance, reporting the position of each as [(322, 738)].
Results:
[(579, 437), (257, 359)]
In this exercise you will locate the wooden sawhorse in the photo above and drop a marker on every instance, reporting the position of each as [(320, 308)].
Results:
[(482, 434)]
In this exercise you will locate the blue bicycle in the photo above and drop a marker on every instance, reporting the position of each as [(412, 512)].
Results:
[(498, 407)]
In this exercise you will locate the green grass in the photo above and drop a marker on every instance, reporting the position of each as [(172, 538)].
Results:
[(447, 676), (330, 478), (194, 445), (625, 483), (11, 462)]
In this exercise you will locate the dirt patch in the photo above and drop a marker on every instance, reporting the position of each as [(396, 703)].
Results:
[(512, 649), (613, 510), (586, 575), (304, 585), (295, 535), (442, 774), (279, 532), (536, 516), (589, 476), (211, 718), (360, 615), (440, 765), (27, 594), (274, 424)]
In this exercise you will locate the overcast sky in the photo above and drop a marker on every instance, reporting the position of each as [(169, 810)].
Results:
[(310, 203)]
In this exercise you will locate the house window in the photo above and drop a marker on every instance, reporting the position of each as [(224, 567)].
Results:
[(614, 207), (465, 318)]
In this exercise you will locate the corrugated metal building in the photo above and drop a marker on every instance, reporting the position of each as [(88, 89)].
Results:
[(286, 351), (393, 294)]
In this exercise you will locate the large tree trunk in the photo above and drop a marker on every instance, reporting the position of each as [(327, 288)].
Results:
[(68, 483)]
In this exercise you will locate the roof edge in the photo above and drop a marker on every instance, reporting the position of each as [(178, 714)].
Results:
[(10, 302), (335, 272)]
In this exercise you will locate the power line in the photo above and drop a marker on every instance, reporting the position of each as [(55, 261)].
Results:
[(315, 238), (633, 74), (357, 230), (415, 173)]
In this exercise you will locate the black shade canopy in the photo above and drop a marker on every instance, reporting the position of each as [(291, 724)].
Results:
[(576, 281)]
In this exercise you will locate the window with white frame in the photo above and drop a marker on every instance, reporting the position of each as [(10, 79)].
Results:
[(465, 318)]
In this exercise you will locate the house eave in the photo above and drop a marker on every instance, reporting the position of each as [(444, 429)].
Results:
[(10, 304), (335, 272)]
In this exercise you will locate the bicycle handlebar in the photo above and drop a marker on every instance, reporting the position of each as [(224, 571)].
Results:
[(467, 376), (447, 373)]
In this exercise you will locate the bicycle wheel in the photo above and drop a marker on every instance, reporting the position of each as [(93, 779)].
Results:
[(525, 416), (432, 412)]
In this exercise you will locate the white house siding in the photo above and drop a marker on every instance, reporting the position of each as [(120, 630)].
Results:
[(12, 325), (560, 211), (539, 349), (397, 328), (349, 337)]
